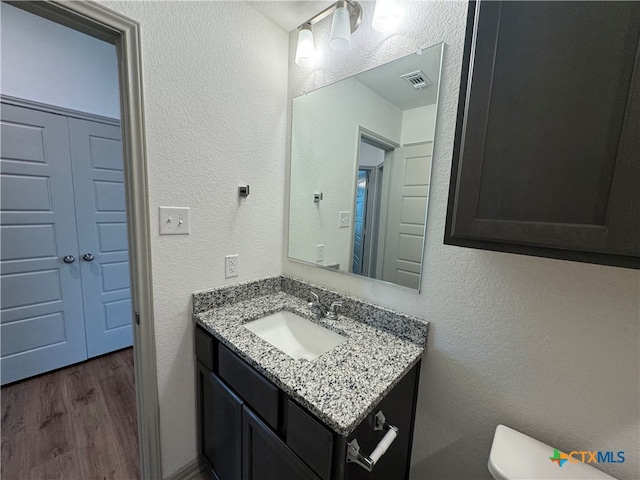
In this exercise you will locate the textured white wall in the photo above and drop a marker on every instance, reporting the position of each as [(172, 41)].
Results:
[(325, 145), (215, 112), (419, 124), (546, 346), (48, 63)]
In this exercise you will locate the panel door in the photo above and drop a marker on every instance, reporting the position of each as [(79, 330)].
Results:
[(265, 456), (98, 178), (221, 424), (42, 326), (406, 216)]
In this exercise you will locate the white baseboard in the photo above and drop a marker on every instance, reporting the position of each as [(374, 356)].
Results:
[(190, 470)]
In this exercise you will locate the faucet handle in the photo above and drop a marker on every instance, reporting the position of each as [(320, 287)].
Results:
[(315, 302), (332, 314)]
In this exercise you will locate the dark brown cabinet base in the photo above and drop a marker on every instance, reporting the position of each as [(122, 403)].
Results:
[(251, 430)]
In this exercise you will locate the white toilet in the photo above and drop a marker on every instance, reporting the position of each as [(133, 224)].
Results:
[(515, 456)]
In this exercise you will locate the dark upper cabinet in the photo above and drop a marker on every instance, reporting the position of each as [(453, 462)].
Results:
[(547, 150)]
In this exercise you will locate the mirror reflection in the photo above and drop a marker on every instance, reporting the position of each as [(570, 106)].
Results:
[(360, 170)]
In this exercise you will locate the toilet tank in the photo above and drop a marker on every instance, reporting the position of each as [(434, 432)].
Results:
[(515, 456)]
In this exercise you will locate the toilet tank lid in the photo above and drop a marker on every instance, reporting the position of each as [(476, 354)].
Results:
[(515, 456)]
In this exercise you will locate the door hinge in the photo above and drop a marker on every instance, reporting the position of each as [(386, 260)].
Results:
[(137, 318)]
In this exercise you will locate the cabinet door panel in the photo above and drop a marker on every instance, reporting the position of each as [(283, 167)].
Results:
[(310, 439), (547, 140), (221, 423), (266, 457)]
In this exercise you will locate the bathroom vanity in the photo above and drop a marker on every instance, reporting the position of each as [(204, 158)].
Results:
[(263, 414)]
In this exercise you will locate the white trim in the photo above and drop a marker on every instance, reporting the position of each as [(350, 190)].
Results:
[(67, 112), (100, 22), (190, 470)]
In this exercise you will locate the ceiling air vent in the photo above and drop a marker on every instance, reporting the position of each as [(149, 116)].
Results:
[(418, 79)]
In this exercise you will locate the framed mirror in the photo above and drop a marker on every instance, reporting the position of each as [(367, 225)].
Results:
[(360, 170)]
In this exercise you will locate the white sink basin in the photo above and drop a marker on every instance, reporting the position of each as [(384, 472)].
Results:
[(294, 335)]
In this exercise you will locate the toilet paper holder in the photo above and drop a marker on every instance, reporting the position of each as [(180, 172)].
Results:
[(368, 462)]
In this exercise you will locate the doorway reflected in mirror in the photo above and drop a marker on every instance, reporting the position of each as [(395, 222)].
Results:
[(366, 142)]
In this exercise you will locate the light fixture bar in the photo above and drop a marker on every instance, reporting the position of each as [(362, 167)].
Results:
[(355, 13)]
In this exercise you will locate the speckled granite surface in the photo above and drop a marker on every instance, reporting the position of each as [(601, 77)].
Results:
[(340, 387)]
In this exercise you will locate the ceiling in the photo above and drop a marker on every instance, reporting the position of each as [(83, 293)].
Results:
[(387, 82), (289, 14)]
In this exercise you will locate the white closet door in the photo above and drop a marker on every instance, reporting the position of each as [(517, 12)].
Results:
[(406, 217), (98, 177), (42, 322)]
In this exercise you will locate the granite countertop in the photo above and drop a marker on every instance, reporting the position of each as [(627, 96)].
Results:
[(340, 387)]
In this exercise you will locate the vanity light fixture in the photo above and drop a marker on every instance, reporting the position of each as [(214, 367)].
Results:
[(386, 15), (340, 39), (347, 15), (305, 51)]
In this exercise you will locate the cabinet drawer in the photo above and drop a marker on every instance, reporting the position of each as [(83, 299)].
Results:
[(311, 440), (265, 456), (257, 391), (205, 348)]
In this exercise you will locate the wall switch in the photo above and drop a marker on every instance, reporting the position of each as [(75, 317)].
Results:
[(319, 253), (231, 266), (174, 220), (343, 219)]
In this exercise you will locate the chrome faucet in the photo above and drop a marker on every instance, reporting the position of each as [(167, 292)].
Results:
[(316, 306)]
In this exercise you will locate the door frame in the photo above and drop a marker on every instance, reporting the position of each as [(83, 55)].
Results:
[(100, 22), (389, 147)]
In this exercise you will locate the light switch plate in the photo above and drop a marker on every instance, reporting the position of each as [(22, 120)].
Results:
[(319, 253), (343, 219), (174, 220)]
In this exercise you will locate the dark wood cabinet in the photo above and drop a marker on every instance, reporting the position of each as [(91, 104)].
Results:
[(547, 149), (266, 456), (221, 425), (251, 430)]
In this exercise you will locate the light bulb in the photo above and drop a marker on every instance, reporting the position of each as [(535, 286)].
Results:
[(386, 15), (340, 30), (305, 50)]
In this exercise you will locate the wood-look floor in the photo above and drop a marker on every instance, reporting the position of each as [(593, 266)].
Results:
[(75, 423)]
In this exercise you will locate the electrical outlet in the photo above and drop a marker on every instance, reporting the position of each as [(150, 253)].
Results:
[(319, 253), (231, 266), (174, 220), (343, 219)]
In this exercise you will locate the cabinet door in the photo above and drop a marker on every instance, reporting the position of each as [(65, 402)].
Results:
[(265, 456), (546, 160), (221, 426)]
